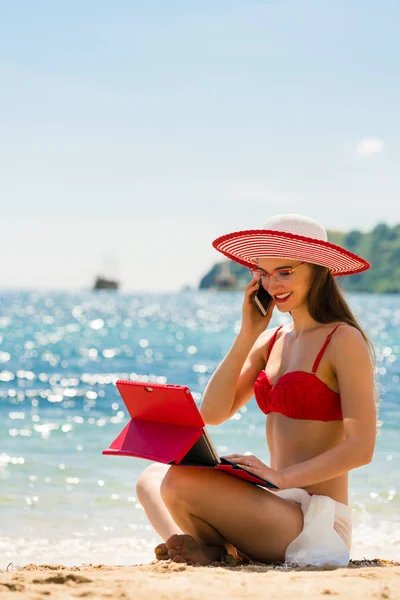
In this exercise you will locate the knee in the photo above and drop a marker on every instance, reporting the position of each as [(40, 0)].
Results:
[(149, 481), (177, 484)]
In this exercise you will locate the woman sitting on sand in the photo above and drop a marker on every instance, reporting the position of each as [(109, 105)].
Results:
[(314, 380)]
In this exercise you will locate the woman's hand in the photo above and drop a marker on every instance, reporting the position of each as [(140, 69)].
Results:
[(253, 324), (253, 465)]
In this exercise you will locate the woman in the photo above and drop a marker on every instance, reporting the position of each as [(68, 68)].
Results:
[(314, 379)]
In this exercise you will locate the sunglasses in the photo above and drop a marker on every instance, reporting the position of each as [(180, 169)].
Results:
[(280, 275)]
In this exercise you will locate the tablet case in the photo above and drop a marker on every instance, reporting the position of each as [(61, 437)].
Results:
[(167, 427)]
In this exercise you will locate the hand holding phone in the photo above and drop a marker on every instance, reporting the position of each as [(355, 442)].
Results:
[(262, 300), (254, 322)]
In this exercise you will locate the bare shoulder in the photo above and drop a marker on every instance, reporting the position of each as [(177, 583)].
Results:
[(265, 338), (348, 347), (260, 347), (353, 366), (348, 334), (268, 333)]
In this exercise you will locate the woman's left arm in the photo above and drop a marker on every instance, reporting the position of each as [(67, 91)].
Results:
[(354, 370)]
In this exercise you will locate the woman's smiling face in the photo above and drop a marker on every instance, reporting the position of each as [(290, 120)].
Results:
[(288, 281)]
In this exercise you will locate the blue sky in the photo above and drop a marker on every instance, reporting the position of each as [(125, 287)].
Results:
[(134, 133)]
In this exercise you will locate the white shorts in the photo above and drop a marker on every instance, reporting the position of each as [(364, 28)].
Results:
[(326, 535)]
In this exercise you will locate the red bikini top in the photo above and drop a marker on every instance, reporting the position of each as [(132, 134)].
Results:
[(299, 394)]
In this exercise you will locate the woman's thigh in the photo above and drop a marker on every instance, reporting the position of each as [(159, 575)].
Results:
[(253, 519)]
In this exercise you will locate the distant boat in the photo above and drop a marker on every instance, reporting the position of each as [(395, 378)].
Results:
[(102, 283)]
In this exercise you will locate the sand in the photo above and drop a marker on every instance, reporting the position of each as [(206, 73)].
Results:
[(166, 580)]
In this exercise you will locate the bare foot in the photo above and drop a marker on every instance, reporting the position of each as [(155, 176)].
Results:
[(184, 548), (161, 552)]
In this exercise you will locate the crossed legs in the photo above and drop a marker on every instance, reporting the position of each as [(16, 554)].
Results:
[(200, 513)]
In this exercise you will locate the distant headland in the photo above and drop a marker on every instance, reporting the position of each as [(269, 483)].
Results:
[(381, 247)]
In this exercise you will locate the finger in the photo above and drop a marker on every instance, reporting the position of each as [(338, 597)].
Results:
[(252, 288), (245, 460), (251, 283), (253, 470), (242, 463), (251, 467)]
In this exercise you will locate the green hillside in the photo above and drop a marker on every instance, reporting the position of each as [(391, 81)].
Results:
[(381, 247)]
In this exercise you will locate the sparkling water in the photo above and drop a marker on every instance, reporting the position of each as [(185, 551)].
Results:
[(60, 355)]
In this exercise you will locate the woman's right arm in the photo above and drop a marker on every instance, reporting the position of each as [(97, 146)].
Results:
[(232, 383)]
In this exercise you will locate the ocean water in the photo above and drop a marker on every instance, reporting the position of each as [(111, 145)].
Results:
[(61, 501)]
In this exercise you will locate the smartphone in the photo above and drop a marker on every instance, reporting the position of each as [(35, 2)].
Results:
[(262, 301)]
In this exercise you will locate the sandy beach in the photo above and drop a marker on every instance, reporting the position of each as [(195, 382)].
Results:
[(166, 580)]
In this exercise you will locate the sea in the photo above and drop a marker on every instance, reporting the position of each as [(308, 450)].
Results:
[(61, 500)]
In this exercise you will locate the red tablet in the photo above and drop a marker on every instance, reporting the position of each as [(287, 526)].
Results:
[(166, 426)]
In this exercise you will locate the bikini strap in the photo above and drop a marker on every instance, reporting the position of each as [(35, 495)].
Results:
[(321, 352), (272, 342)]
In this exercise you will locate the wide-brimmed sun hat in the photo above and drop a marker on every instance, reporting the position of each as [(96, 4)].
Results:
[(290, 236)]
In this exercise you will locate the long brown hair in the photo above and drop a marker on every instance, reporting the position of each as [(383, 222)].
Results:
[(326, 303)]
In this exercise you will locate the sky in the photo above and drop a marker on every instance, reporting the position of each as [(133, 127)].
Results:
[(134, 133)]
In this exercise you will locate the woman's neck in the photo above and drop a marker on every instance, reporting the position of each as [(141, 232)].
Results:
[(302, 322)]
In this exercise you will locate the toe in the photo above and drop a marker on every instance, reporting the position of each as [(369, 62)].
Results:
[(161, 552), (178, 559), (175, 540)]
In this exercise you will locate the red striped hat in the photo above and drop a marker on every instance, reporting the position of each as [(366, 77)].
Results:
[(290, 236)]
